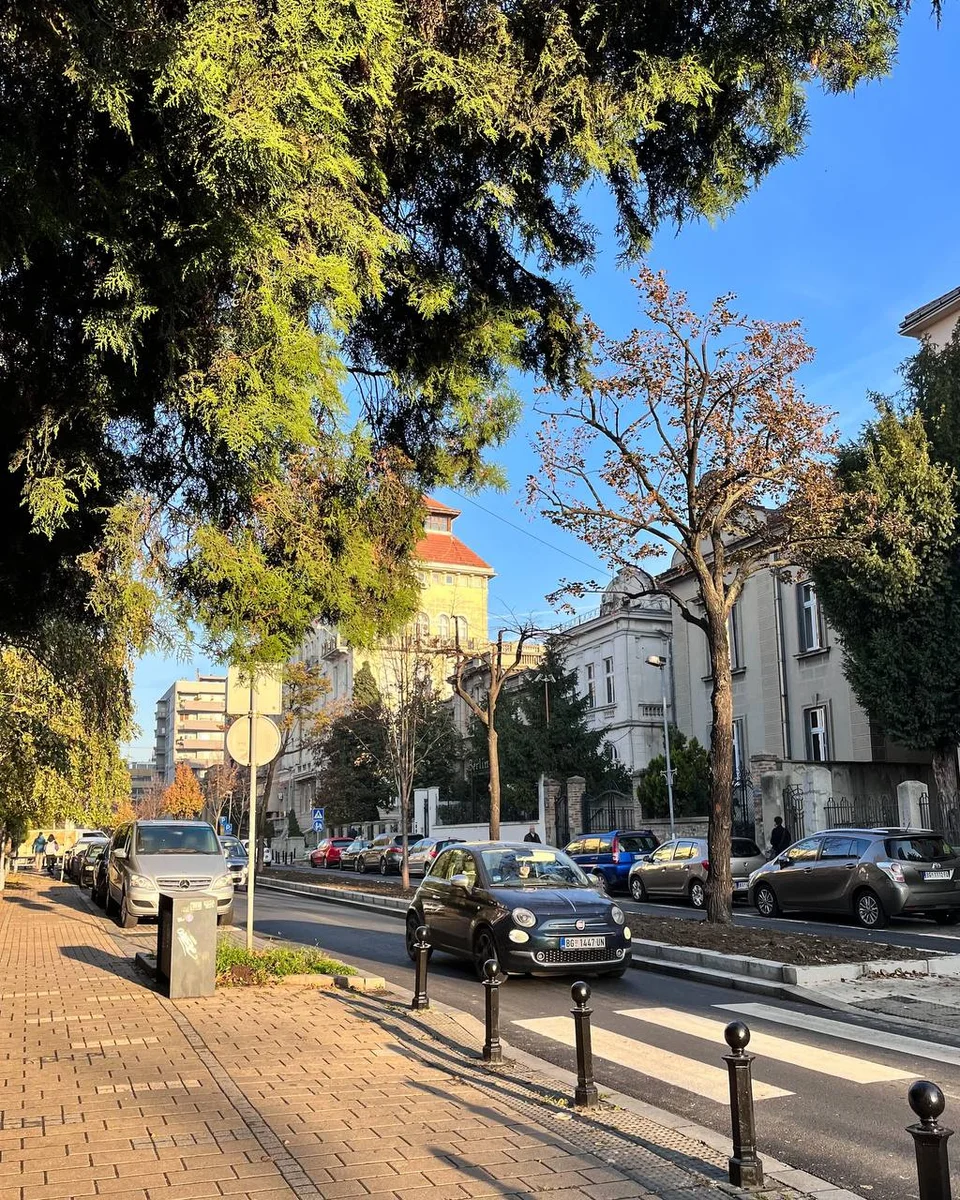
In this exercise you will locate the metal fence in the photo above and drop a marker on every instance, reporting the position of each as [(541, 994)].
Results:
[(865, 811), (609, 810), (947, 816), (744, 815), (475, 810), (793, 811)]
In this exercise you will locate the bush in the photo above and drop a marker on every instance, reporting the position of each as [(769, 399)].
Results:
[(237, 966)]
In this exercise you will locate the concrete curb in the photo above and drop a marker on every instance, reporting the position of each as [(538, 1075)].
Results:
[(394, 906)]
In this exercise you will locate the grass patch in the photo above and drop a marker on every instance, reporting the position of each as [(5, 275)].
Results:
[(239, 967)]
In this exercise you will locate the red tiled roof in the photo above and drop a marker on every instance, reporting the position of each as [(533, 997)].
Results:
[(445, 548), (435, 506)]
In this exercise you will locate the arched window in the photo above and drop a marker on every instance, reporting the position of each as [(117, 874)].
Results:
[(423, 625), (445, 627)]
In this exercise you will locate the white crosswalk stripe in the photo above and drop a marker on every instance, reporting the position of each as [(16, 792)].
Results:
[(798, 1054), (690, 1074), (902, 1044)]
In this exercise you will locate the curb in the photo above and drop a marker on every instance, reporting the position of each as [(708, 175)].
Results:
[(368, 901)]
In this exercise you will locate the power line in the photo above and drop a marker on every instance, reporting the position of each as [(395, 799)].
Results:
[(527, 533)]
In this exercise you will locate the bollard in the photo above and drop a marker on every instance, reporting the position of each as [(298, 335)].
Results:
[(586, 1095), (492, 1051), (745, 1167), (422, 948), (930, 1141)]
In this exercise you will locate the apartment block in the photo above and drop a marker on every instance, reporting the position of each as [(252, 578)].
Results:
[(191, 725)]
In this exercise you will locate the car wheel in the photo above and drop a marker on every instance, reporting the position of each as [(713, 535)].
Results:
[(413, 924), (109, 903), (637, 890), (484, 947), (96, 896), (383, 866), (868, 910), (360, 866), (225, 918), (599, 881), (126, 918), (948, 918), (698, 894), (314, 863), (766, 901)]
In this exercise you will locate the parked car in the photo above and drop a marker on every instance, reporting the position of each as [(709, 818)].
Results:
[(383, 854), (147, 856), (874, 874), (237, 860), (680, 869), (84, 838), (609, 856), (327, 853), (74, 865), (349, 855), (528, 907), (88, 864), (422, 854), (98, 884)]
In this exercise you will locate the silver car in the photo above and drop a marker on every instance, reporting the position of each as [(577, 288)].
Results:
[(421, 855), (680, 869), (147, 857), (236, 857), (873, 874)]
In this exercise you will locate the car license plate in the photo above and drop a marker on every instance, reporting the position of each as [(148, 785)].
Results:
[(739, 885), (938, 874), (582, 943)]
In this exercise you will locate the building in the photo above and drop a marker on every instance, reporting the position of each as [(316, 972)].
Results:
[(934, 322), (609, 648), (143, 779), (454, 583), (191, 725)]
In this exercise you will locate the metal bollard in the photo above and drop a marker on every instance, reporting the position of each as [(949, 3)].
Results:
[(422, 948), (492, 1051), (586, 1094), (930, 1141), (745, 1167)]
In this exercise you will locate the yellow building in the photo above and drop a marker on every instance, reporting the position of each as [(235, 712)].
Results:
[(453, 607)]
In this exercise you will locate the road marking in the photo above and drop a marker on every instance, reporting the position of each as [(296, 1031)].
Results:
[(687, 1073), (851, 1033), (799, 1054)]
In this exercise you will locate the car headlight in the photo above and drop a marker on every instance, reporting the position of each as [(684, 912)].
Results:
[(617, 913), (627, 935), (524, 917), (223, 881), (141, 881)]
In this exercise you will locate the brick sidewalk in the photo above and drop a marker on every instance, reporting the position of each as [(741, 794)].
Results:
[(108, 1089)]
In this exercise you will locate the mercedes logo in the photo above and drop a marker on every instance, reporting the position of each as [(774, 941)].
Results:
[(184, 883), (581, 924)]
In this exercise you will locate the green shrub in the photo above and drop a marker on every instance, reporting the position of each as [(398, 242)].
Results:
[(237, 966)]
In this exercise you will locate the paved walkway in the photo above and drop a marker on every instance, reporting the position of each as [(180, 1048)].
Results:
[(108, 1089)]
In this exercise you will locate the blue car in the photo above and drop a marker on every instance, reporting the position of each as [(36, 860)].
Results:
[(609, 856)]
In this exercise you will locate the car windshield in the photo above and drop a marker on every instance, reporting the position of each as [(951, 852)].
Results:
[(177, 839), (532, 868), (233, 847), (919, 849), (94, 853), (637, 843)]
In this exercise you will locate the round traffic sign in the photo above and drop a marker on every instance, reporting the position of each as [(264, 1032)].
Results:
[(266, 740)]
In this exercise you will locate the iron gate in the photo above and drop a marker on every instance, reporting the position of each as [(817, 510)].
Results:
[(793, 811), (744, 817), (609, 810)]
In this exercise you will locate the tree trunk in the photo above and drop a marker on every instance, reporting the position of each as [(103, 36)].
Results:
[(493, 753), (945, 773), (720, 828), (404, 826)]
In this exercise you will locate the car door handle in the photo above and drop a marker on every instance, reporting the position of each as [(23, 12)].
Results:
[(851, 866)]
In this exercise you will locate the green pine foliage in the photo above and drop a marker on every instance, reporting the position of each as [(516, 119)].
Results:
[(690, 763), (293, 825), (352, 782)]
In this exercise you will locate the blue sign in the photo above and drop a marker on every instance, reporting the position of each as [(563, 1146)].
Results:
[(318, 819), (227, 827)]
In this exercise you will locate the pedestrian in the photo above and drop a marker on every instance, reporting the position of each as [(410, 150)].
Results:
[(532, 835), (39, 849), (779, 837), (51, 850)]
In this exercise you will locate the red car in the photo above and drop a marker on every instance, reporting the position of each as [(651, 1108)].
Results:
[(327, 853)]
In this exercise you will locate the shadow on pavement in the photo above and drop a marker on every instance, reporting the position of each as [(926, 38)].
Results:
[(110, 964)]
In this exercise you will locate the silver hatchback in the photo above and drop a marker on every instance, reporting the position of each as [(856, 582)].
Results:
[(872, 874), (680, 868)]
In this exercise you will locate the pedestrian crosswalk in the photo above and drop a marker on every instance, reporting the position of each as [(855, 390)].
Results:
[(797, 1041)]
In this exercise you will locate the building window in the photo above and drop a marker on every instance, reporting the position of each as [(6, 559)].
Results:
[(462, 629), (444, 625), (815, 732), (811, 623), (739, 747), (736, 642), (448, 580), (591, 687), (611, 752), (438, 523), (423, 625), (609, 682)]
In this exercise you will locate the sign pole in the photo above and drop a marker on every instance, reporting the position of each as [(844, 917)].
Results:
[(252, 840)]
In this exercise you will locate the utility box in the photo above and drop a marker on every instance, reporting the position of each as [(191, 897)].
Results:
[(187, 944)]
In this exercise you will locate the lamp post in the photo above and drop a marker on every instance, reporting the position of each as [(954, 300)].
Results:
[(661, 662)]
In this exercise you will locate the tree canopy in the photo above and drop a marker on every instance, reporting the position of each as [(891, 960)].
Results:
[(265, 268), (690, 764)]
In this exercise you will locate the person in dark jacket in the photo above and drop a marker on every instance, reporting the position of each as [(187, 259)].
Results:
[(532, 835), (779, 836)]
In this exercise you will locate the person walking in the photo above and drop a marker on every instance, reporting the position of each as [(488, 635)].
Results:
[(779, 837), (39, 849), (532, 835), (51, 850)]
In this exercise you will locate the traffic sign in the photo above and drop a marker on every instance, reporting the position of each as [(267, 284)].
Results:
[(318, 819), (227, 827), (266, 741)]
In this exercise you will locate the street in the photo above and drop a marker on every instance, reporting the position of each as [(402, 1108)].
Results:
[(830, 1092)]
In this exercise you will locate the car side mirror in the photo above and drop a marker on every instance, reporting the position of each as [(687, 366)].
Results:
[(120, 854), (783, 861), (460, 881)]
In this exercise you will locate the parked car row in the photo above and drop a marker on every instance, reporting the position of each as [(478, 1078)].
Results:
[(383, 853)]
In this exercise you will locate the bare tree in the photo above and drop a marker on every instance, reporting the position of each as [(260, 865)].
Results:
[(693, 439), (219, 785), (500, 660)]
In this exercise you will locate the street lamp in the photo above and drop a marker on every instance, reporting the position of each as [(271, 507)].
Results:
[(662, 662)]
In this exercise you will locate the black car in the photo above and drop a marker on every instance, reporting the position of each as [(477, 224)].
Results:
[(88, 863), (530, 907), (75, 864), (98, 884), (350, 855)]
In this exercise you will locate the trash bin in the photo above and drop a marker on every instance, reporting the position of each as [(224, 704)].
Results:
[(187, 944)]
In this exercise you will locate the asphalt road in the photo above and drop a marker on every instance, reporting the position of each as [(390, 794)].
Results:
[(831, 1098)]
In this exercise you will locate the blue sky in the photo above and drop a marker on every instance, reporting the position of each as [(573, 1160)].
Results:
[(848, 238)]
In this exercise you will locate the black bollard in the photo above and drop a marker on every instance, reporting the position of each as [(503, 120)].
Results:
[(422, 948), (586, 1095), (930, 1141), (492, 1051), (745, 1167)]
